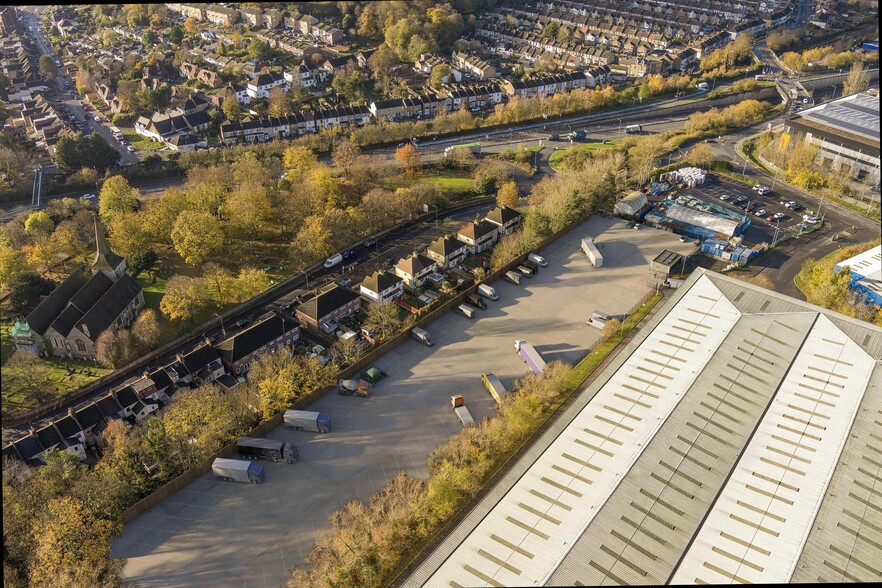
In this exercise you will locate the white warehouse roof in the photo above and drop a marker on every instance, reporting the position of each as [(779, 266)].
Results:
[(731, 441)]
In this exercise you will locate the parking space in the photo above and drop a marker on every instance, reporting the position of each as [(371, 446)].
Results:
[(761, 228), (216, 533)]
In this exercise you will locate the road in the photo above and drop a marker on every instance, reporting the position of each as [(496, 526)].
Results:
[(66, 97)]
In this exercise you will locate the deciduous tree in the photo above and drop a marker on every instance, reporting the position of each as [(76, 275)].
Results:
[(146, 330), (344, 155), (39, 223), (113, 349), (298, 160), (382, 318), (508, 195), (408, 157), (196, 236), (232, 108), (116, 196), (858, 79), (278, 103), (26, 291)]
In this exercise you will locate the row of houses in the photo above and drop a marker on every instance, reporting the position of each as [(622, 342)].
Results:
[(292, 125), (180, 126), (140, 396), (269, 18), (443, 253)]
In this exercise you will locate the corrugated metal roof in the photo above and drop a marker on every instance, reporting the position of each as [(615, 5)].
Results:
[(640, 533), (845, 543), (524, 537), (758, 525)]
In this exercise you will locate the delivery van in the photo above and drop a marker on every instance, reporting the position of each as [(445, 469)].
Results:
[(333, 260), (466, 311), (513, 277), (487, 292), (422, 336)]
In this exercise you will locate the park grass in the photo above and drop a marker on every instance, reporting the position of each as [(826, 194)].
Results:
[(52, 377), (555, 160), (153, 287), (591, 361), (451, 183), (141, 143)]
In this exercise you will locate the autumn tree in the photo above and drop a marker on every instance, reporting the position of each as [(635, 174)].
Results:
[(701, 155), (381, 63), (146, 330), (12, 262), (248, 208), (47, 68), (611, 328), (116, 196), (382, 318), (344, 155), (408, 157), (26, 291), (196, 236), (232, 108), (190, 25), (439, 75), (113, 349), (39, 223), (644, 157), (858, 79), (508, 195), (130, 235), (278, 103), (72, 545), (298, 159)]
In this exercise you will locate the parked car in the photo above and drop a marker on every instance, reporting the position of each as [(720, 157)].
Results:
[(89, 197), (96, 118), (344, 282), (779, 216), (130, 149), (683, 238), (725, 197), (763, 191), (771, 218), (761, 212)]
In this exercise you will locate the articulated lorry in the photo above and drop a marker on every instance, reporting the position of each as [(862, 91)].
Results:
[(530, 356), (458, 403), (259, 448), (237, 470), (590, 250), (307, 420)]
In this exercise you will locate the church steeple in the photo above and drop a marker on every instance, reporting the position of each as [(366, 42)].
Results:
[(106, 260)]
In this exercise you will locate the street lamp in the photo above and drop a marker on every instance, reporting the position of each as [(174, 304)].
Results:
[(620, 124), (223, 330), (307, 278)]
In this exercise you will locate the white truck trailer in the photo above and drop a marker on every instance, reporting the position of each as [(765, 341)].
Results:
[(237, 470), (590, 250)]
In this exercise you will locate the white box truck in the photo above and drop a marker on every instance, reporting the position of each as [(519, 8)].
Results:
[(307, 420), (237, 470)]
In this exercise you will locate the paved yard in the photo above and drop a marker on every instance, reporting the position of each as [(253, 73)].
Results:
[(216, 533)]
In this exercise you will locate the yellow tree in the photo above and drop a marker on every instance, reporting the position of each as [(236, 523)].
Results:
[(71, 544), (116, 196), (298, 160), (196, 235), (508, 195)]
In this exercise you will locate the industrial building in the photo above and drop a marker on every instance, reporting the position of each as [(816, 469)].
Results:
[(697, 219), (735, 439), (866, 274), (847, 132)]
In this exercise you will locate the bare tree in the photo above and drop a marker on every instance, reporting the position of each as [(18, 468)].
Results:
[(858, 79)]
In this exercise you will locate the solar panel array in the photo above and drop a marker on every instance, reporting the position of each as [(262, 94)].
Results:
[(857, 114)]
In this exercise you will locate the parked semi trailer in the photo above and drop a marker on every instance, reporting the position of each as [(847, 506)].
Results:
[(530, 356), (237, 470), (458, 403), (590, 250), (307, 420), (494, 386), (259, 448)]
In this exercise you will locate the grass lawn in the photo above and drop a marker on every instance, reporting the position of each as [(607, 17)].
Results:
[(555, 160), (414, 301), (47, 380), (451, 183), (153, 290), (142, 143)]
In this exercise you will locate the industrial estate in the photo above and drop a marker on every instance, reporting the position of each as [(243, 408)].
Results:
[(465, 293)]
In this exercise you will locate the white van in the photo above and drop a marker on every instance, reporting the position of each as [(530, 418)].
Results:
[(525, 270), (513, 277), (487, 292), (333, 260), (538, 259), (466, 311), (422, 336)]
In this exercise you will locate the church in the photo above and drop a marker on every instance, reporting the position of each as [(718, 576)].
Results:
[(68, 322)]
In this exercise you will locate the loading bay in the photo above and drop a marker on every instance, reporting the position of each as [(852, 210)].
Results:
[(215, 533)]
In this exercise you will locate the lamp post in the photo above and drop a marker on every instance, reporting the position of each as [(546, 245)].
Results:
[(223, 330), (620, 124), (307, 278)]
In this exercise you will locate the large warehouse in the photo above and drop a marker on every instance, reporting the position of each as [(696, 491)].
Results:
[(866, 273), (735, 439), (847, 132)]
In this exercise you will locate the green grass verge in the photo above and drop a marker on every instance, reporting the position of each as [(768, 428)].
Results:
[(555, 160), (450, 183), (142, 143), (587, 366)]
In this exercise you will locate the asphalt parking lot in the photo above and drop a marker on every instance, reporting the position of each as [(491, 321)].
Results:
[(760, 229), (215, 533)]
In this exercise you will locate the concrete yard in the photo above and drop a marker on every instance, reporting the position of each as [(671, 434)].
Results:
[(216, 533)]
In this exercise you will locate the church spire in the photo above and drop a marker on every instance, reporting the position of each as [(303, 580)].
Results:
[(105, 259)]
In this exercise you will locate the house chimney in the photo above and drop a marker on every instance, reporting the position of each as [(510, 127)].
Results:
[(207, 341)]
